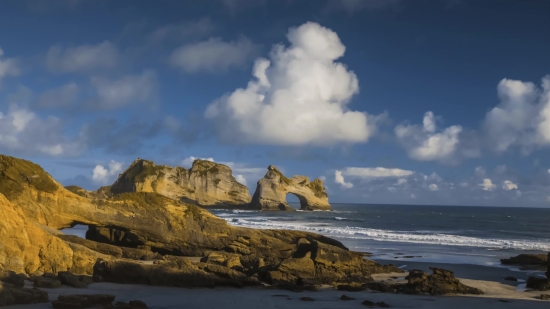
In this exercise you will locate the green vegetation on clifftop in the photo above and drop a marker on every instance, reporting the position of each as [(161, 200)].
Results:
[(15, 174)]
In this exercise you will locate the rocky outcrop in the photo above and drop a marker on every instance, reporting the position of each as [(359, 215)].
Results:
[(11, 295), (170, 272), (205, 184), (440, 282), (149, 225), (526, 260), (271, 192), (540, 283)]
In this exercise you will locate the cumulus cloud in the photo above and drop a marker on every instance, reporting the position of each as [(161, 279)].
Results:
[(8, 66), (59, 97), (22, 132), (339, 179), (82, 58), (376, 172), (114, 94), (299, 97), (433, 187), (105, 175), (241, 179), (487, 185), (214, 55), (509, 185), (522, 118), (423, 143)]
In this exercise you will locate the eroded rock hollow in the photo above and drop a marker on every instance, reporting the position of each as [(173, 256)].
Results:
[(272, 190)]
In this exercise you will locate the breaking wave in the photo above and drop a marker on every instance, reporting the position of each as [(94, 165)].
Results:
[(394, 236)]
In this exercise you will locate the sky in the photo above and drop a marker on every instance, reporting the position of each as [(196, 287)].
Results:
[(430, 102)]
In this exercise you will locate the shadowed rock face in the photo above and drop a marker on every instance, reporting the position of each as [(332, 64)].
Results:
[(151, 224), (271, 192), (526, 259), (205, 184)]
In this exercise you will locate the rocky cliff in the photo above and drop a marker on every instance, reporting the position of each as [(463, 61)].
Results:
[(271, 192), (205, 183), (154, 226)]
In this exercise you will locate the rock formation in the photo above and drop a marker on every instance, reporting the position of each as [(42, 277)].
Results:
[(11, 295), (540, 283), (205, 184), (147, 225), (271, 192), (440, 282), (526, 259)]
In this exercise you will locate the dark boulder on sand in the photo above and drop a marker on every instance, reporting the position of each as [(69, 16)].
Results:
[(440, 282), (526, 259), (540, 283), (75, 281), (11, 295), (173, 271)]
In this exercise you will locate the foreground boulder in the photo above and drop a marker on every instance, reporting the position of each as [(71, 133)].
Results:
[(526, 260), (17, 280), (75, 281), (174, 271), (11, 295), (318, 263), (271, 192), (540, 283), (440, 282)]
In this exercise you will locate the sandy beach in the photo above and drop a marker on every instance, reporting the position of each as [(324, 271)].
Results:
[(498, 294)]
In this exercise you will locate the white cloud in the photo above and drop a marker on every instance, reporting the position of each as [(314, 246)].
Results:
[(375, 172), (83, 58), (59, 97), (113, 94), (297, 98), (424, 144), (22, 132), (509, 185), (8, 66), (433, 187), (522, 118), (401, 181), (188, 162), (339, 179), (487, 185), (102, 175), (241, 179), (213, 55)]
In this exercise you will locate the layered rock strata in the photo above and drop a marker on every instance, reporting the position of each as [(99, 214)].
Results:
[(271, 192), (205, 183), (147, 225)]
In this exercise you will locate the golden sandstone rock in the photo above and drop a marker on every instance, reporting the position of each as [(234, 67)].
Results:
[(272, 190), (148, 225)]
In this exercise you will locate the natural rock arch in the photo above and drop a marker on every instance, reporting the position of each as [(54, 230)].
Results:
[(271, 192)]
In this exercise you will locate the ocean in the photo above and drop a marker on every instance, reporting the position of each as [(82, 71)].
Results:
[(441, 234)]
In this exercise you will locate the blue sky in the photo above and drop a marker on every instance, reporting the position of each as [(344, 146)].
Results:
[(390, 101)]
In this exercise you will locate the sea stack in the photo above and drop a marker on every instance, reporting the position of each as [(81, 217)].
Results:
[(271, 192), (205, 183)]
